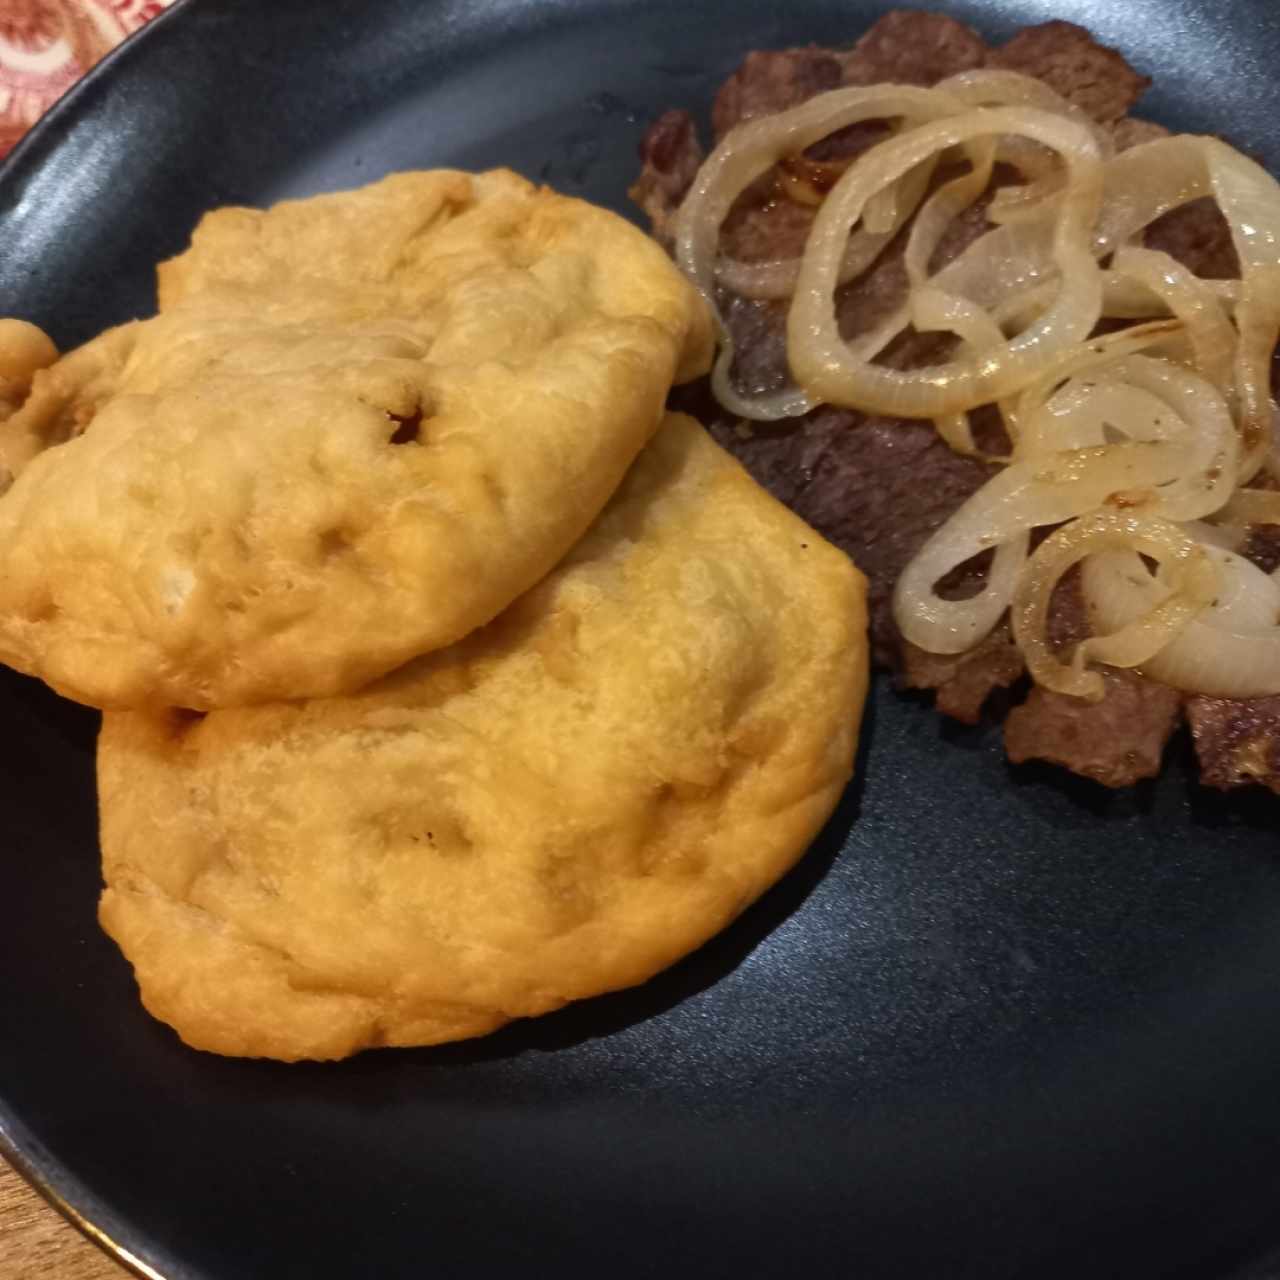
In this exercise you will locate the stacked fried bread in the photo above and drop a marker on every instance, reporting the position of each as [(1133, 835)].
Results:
[(563, 803), (446, 681)]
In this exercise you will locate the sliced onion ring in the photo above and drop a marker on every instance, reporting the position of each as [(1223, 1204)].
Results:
[(746, 153), (826, 366), (1191, 576), (1231, 650)]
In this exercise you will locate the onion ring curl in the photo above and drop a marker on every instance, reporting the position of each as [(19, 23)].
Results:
[(1231, 650), (825, 365), (1191, 575), (1139, 437), (1175, 459), (746, 153)]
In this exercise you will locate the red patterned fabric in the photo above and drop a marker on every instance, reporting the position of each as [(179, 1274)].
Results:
[(47, 45)]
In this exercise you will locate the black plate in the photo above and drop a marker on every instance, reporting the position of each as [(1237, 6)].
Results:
[(997, 1024)]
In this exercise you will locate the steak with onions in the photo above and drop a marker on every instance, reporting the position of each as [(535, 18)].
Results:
[(878, 487)]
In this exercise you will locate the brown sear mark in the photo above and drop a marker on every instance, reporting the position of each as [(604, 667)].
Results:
[(407, 430), (333, 542), (183, 719)]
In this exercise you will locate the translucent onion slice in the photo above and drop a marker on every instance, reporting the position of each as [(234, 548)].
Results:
[(938, 211), (1231, 650), (1141, 185), (1258, 319), (825, 365), (775, 278), (1190, 573), (1207, 436), (933, 311), (1144, 399), (1022, 203), (1082, 413), (1046, 178), (1146, 182), (957, 432), (1021, 497), (1249, 507), (992, 86), (746, 153), (1177, 462), (1043, 175), (1250, 201), (1213, 535), (1212, 338), (890, 209), (1095, 354), (955, 626), (1271, 462), (1249, 198), (1123, 298)]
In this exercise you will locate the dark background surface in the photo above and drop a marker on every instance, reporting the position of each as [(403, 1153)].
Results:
[(998, 1023)]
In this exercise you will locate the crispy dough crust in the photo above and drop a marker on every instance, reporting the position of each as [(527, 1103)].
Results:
[(563, 804), (361, 426)]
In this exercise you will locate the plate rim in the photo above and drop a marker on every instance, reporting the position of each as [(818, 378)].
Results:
[(39, 1169), (42, 1171), (51, 120)]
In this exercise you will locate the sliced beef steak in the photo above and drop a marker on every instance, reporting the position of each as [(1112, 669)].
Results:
[(1115, 741), (879, 487), (1237, 740), (771, 81), (1072, 63), (963, 682), (670, 155), (904, 47), (910, 47)]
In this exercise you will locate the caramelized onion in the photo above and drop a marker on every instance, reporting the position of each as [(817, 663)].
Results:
[(748, 152), (1212, 338), (1251, 506), (820, 357), (775, 278), (1137, 441), (1191, 576), (1230, 650), (1175, 461)]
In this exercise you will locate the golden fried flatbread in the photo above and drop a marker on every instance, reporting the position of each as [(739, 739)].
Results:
[(361, 426), (562, 804)]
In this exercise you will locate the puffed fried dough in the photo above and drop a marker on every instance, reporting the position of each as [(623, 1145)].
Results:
[(24, 350), (360, 427), (58, 397), (405, 233), (562, 804)]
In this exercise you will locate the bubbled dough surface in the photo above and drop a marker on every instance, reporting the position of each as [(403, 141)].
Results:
[(563, 804), (234, 525)]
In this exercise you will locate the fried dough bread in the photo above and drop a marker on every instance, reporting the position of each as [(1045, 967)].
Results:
[(360, 427), (562, 804)]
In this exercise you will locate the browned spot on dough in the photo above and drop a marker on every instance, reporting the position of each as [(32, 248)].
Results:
[(183, 719), (408, 429), (334, 542)]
